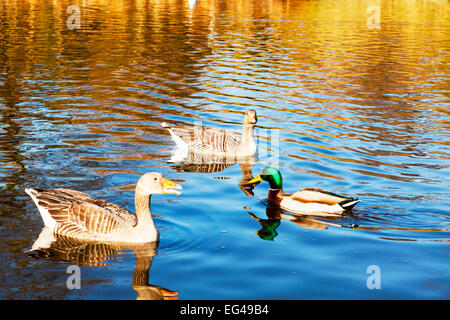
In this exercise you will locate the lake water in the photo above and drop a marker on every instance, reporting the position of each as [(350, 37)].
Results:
[(351, 96)]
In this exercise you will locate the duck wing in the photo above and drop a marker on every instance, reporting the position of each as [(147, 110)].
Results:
[(77, 214), (317, 195)]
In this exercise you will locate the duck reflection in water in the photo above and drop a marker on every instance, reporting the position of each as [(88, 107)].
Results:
[(275, 215), (49, 246)]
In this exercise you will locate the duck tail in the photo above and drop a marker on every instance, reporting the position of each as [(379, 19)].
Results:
[(349, 203)]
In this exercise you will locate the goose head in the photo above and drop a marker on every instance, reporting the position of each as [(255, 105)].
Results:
[(155, 183), (250, 117)]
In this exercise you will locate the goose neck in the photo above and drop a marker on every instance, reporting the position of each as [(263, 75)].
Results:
[(143, 213), (247, 132)]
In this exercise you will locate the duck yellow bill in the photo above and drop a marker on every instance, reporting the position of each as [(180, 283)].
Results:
[(169, 187), (254, 180)]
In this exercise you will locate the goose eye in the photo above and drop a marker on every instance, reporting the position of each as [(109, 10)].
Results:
[(155, 179)]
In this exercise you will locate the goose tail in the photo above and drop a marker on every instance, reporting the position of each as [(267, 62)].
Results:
[(179, 141), (46, 217)]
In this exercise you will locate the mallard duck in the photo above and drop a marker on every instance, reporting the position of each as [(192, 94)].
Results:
[(307, 200), (75, 214), (214, 141)]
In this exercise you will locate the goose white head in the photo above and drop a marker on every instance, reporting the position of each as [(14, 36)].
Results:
[(155, 183), (250, 117)]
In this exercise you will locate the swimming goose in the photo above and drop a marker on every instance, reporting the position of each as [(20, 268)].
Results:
[(214, 141), (75, 214), (307, 201)]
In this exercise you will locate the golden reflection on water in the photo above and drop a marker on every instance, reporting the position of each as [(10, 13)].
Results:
[(127, 64), (134, 64)]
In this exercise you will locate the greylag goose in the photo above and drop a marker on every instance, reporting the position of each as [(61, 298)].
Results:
[(214, 141), (50, 246), (75, 214), (307, 201)]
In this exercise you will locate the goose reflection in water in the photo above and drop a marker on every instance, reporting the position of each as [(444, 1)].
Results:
[(93, 254), (275, 215), (192, 162)]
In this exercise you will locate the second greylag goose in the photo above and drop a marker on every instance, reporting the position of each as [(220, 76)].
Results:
[(214, 141), (75, 214)]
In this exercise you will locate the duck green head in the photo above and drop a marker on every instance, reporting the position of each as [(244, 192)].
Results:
[(271, 175)]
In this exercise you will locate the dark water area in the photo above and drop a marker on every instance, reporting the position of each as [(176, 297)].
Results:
[(347, 101)]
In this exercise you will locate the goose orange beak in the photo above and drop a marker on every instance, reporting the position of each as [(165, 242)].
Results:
[(169, 187)]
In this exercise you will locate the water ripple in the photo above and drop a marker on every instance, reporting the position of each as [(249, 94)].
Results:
[(343, 107)]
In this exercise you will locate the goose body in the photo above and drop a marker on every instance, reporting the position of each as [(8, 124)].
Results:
[(216, 142), (75, 214), (306, 201)]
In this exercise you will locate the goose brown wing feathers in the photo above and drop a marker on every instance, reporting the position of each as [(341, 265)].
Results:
[(77, 213), (206, 139)]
